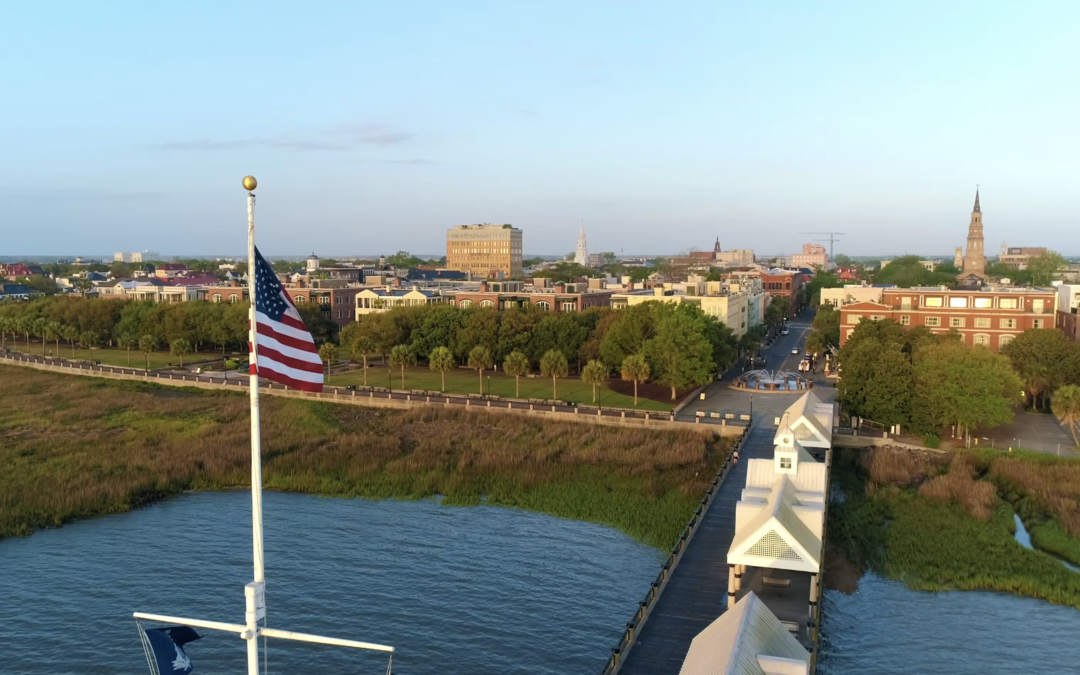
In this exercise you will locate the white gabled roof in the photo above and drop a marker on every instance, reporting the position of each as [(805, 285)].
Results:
[(808, 421), (780, 530), (746, 640)]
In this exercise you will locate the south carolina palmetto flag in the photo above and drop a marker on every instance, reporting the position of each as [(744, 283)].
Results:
[(286, 350)]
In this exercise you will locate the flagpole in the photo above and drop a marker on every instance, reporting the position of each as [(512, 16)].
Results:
[(254, 592)]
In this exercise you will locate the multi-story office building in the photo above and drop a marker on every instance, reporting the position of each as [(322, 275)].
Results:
[(731, 309), (136, 256), (484, 250), (813, 255), (991, 317), (1018, 257)]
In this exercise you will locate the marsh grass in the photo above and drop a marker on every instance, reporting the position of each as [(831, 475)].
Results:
[(929, 538), (74, 447)]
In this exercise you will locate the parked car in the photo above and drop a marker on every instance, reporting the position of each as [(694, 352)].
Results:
[(784, 332), (795, 351)]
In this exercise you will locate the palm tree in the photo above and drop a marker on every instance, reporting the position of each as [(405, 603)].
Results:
[(89, 339), (39, 329), (595, 374), (25, 325), (1066, 406), (553, 364), (402, 355), (516, 364), (328, 352), (147, 344), (5, 328), (71, 334), (364, 346), (51, 331), (125, 341), (180, 347), (442, 360), (480, 360), (635, 369)]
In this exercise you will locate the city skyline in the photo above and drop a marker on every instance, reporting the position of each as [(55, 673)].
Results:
[(659, 128)]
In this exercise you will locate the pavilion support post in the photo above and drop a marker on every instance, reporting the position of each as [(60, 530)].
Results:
[(813, 597), (731, 587)]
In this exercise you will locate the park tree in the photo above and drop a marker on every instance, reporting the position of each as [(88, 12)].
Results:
[(516, 329), (441, 359), (635, 327), (147, 344), (516, 364), (317, 321), (1045, 268), (956, 384), (480, 359), (71, 334), (180, 347), (52, 332), (438, 327), (680, 355), (90, 339), (635, 368), (127, 342), (364, 346), (1041, 357), (1066, 406), (877, 381), (553, 364), (401, 356), (479, 328), (327, 353), (594, 374), (827, 325)]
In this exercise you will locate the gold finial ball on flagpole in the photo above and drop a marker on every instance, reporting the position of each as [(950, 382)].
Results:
[(250, 183)]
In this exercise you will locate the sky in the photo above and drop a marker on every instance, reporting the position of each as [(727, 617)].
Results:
[(372, 127)]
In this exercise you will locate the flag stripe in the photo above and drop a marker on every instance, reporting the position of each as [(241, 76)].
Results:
[(303, 385), (285, 348), (268, 352), (284, 328), (268, 331)]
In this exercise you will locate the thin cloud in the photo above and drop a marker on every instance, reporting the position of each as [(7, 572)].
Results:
[(415, 161), (340, 139), (54, 195)]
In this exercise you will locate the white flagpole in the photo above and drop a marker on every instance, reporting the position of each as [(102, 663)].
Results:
[(254, 592)]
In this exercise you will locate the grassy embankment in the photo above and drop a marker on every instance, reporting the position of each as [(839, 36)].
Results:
[(463, 381), (955, 530), (75, 447)]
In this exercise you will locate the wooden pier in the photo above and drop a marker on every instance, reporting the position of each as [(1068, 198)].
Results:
[(696, 592)]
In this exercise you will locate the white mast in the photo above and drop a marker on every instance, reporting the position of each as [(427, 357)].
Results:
[(255, 591)]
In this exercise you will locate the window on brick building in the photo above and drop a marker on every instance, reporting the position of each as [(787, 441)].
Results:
[(1037, 323), (1004, 340), (905, 320), (298, 299), (932, 302), (217, 297), (982, 322), (933, 321), (1008, 323), (981, 339), (1007, 303), (957, 322), (854, 318), (984, 303)]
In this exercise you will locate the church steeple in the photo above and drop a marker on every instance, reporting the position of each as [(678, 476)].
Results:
[(716, 247), (977, 210)]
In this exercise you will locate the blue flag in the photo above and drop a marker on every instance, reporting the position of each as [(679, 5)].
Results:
[(166, 647)]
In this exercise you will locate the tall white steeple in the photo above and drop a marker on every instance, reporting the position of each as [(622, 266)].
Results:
[(581, 255)]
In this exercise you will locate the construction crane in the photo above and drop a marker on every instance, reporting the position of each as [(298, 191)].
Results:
[(833, 238)]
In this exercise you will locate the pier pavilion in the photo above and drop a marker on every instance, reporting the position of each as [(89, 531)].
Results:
[(776, 552), (746, 640)]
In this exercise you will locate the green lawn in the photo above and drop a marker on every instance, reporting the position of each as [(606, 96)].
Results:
[(463, 381), (114, 357)]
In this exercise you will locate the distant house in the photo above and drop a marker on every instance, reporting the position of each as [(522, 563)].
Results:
[(13, 271), (169, 270), (13, 292)]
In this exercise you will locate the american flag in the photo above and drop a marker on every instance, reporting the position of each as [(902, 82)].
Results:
[(286, 349)]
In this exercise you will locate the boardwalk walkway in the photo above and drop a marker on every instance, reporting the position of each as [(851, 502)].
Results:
[(697, 592)]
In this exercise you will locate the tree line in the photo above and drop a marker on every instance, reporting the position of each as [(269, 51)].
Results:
[(677, 344), (141, 325), (925, 381)]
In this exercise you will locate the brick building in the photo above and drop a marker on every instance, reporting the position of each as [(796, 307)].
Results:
[(780, 283), (991, 317), (1068, 311), (574, 297), (338, 304)]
